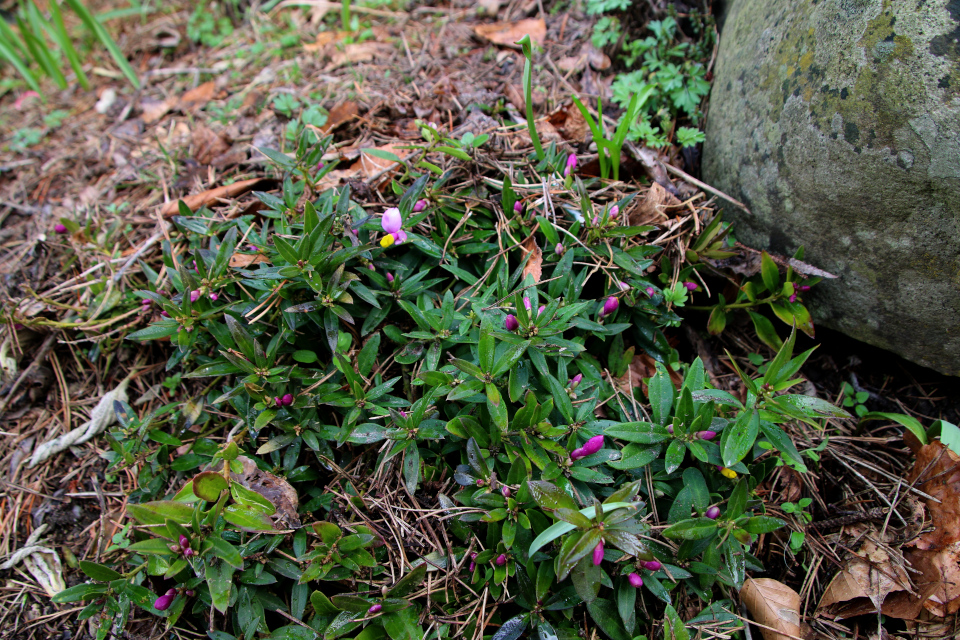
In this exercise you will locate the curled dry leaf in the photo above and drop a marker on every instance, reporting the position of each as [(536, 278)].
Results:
[(507, 33), (211, 196), (340, 113), (774, 605), (642, 368), (653, 207), (241, 260), (533, 266), (277, 490), (864, 582), (198, 97), (359, 52), (570, 123)]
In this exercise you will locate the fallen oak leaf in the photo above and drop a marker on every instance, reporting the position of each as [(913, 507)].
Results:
[(534, 265), (275, 489), (774, 605), (210, 196), (241, 260), (508, 33), (197, 97)]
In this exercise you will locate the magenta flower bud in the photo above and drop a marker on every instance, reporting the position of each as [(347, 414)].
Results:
[(473, 555), (614, 210), (60, 228), (691, 286), (707, 435), (577, 453), (501, 559), (194, 295), (146, 302), (598, 553), (804, 287), (252, 247), (195, 267), (510, 323), (371, 267), (164, 314), (479, 482), (419, 206), (623, 286), (793, 298), (541, 309), (287, 399), (506, 491), (609, 306), (635, 580), (517, 207), (403, 414), (213, 296), (320, 166), (277, 401), (175, 548), (713, 512), (375, 609), (596, 220), (355, 233), (559, 249), (190, 593), (391, 221), (650, 291), (473, 565), (670, 428), (389, 277), (572, 161), (575, 380), (652, 565), (184, 542), (566, 172), (526, 304), (163, 602), (188, 552), (593, 445)]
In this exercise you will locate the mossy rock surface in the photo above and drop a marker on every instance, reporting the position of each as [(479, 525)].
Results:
[(837, 122)]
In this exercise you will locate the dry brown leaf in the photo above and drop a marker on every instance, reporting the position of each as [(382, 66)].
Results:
[(490, 7), (597, 58), (325, 38), (507, 33), (198, 96), (359, 52), (534, 265), (514, 94), (277, 490), (211, 196), (773, 604), (339, 114), (153, 110), (208, 144), (241, 260), (641, 368), (863, 584), (937, 473), (570, 123), (371, 165), (653, 207)]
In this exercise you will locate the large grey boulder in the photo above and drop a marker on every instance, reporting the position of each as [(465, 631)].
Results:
[(837, 122)]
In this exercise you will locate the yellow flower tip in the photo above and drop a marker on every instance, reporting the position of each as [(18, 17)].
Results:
[(728, 473), (387, 240)]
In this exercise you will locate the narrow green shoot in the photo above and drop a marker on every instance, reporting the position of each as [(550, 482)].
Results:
[(525, 44)]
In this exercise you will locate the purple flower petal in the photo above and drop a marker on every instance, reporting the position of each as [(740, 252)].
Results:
[(635, 580), (510, 323), (598, 553), (391, 221), (593, 445)]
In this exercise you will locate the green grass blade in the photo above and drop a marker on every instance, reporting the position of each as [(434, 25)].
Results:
[(9, 36), (38, 50), (38, 28), (67, 46), (100, 31), (7, 53)]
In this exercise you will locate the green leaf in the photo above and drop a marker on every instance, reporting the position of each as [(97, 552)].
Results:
[(549, 496), (225, 551), (512, 628), (79, 592), (912, 424), (673, 627), (247, 519), (738, 439), (762, 524), (99, 572), (409, 582), (674, 457), (605, 614), (692, 529), (660, 391), (769, 272), (322, 604), (765, 331), (208, 485), (556, 530)]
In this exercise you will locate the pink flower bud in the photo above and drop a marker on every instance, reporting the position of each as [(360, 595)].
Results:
[(473, 555), (707, 435), (609, 306), (596, 220), (572, 161), (175, 548), (501, 559), (419, 206), (188, 552), (252, 247), (506, 491), (691, 286), (598, 553), (403, 414), (374, 609), (184, 542), (60, 228), (517, 207), (195, 267), (213, 297), (163, 602), (146, 302), (566, 172), (190, 593), (804, 287), (194, 295), (510, 323), (479, 482), (559, 249), (623, 286), (593, 445), (670, 428), (577, 453), (287, 399), (614, 211), (713, 512), (320, 166), (635, 580), (277, 401), (391, 221), (575, 380), (389, 277), (650, 291), (473, 565), (371, 267), (355, 233), (793, 298), (652, 565), (526, 304), (164, 314)]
